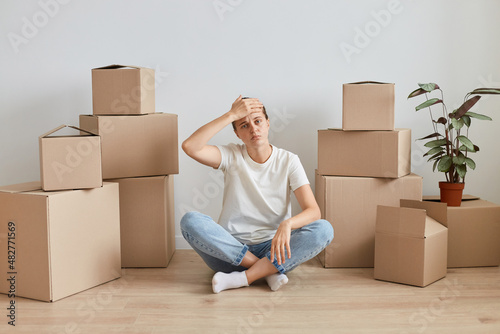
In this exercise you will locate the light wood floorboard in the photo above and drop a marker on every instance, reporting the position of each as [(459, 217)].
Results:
[(178, 299)]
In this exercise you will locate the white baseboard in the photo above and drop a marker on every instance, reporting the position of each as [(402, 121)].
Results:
[(181, 243)]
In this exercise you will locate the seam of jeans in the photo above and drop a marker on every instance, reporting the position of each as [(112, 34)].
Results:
[(202, 247), (275, 263), (304, 258), (240, 257)]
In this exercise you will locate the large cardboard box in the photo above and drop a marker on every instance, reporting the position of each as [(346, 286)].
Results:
[(132, 146), (350, 205), (364, 153), (123, 90), (473, 233), (147, 221), (64, 242), (368, 105), (411, 243), (70, 162)]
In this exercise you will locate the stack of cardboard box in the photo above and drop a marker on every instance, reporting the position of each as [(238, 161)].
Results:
[(72, 231), (363, 165), (140, 152), (61, 235)]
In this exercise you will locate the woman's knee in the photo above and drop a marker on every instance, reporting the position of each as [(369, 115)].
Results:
[(324, 231), (190, 220)]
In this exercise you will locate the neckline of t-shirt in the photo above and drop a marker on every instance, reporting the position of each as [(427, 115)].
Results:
[(255, 163)]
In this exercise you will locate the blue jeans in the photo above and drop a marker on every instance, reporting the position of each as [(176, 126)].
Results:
[(223, 252)]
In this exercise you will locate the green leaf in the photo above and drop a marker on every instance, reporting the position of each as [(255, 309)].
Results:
[(428, 87), (478, 116), (466, 141), (417, 92), (434, 165), (470, 163), (444, 164), (463, 149), (428, 103), (466, 120), (459, 160), (485, 91), (457, 124), (466, 106), (434, 143), (434, 150), (461, 170), (436, 156), (435, 134)]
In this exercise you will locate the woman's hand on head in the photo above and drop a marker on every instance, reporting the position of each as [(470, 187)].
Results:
[(243, 107)]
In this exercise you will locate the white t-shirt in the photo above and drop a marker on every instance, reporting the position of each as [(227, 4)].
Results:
[(257, 196)]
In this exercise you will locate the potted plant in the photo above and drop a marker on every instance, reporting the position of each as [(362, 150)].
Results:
[(449, 145)]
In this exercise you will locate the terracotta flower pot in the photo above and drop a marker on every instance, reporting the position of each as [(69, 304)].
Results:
[(451, 193)]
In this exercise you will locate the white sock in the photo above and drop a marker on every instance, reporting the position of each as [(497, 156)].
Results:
[(275, 281), (222, 281)]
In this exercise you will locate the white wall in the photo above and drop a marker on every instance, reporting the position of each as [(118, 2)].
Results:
[(287, 53)]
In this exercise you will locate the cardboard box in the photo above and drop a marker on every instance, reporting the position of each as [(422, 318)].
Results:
[(65, 241), (70, 162), (350, 205), (368, 105), (473, 233), (364, 153), (132, 146), (411, 243), (147, 221), (123, 90)]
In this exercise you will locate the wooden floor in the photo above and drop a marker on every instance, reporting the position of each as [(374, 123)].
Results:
[(179, 299)]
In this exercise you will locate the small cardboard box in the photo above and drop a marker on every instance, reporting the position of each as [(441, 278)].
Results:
[(350, 205), (473, 233), (147, 220), (368, 105), (63, 242), (70, 162), (364, 153), (411, 243), (133, 146), (123, 90)]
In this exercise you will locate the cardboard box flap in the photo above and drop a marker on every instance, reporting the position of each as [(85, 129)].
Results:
[(117, 66), (64, 126), (436, 198), (22, 187), (402, 221), (432, 227), (407, 222), (437, 211), (370, 82)]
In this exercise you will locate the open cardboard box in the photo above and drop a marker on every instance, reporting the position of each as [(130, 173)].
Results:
[(123, 90), (411, 243), (64, 241), (70, 162), (368, 105), (473, 233), (364, 153)]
